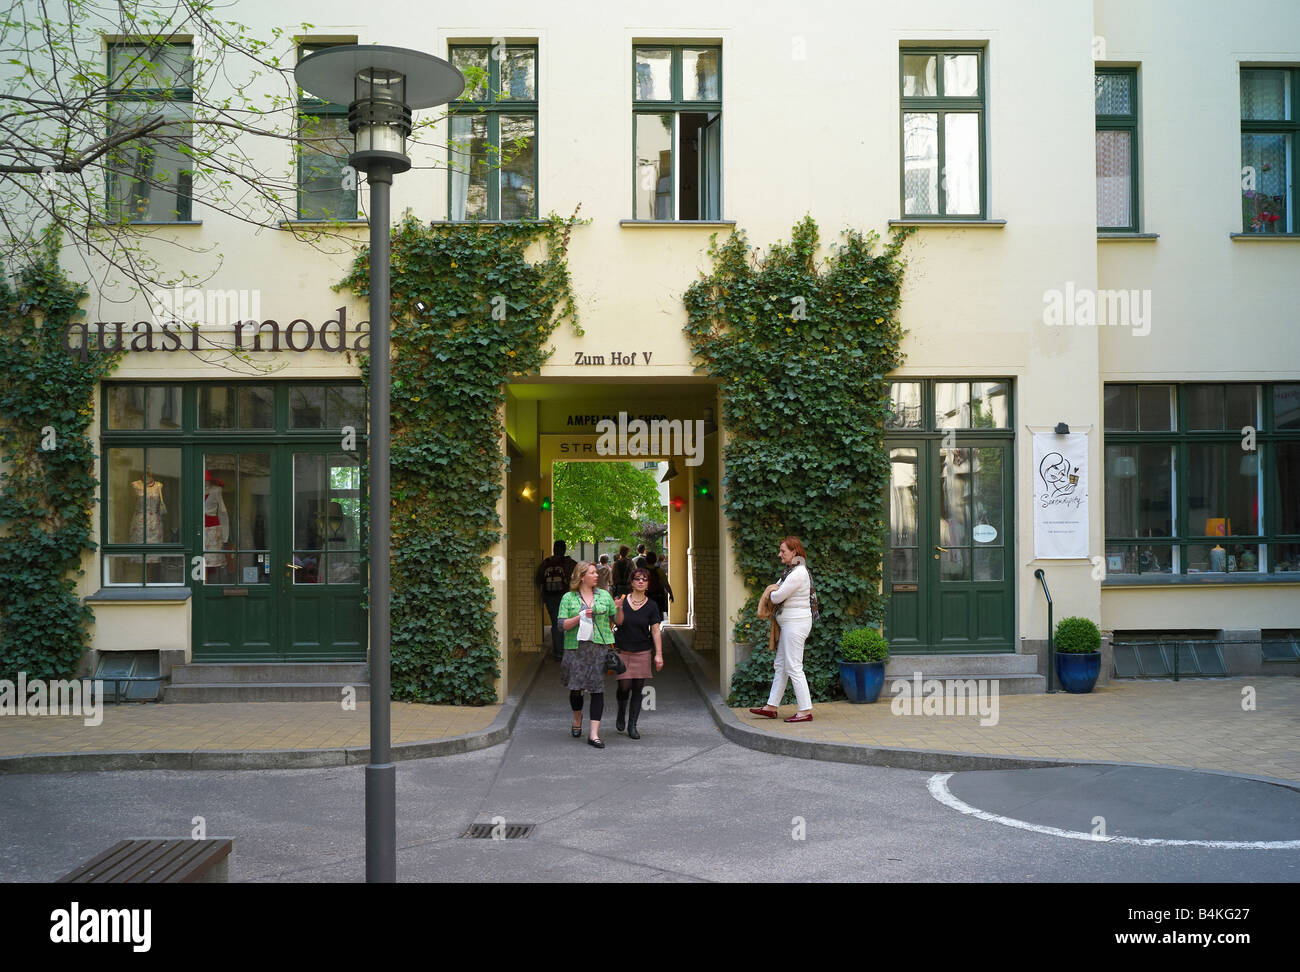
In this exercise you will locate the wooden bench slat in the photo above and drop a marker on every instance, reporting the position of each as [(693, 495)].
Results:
[(191, 864), (137, 854), (153, 861), (76, 873)]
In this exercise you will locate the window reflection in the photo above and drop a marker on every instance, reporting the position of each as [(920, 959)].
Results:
[(326, 518)]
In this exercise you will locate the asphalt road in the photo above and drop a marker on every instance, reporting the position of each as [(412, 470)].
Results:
[(680, 804)]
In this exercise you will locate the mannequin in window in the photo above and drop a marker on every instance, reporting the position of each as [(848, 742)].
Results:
[(216, 526), (147, 523)]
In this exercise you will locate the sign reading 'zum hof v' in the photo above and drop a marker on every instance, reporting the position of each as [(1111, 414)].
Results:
[(1060, 496)]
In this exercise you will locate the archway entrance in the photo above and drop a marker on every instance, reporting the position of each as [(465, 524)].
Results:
[(668, 424)]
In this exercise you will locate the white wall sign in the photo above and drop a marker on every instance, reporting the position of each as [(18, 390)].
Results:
[(1060, 474)]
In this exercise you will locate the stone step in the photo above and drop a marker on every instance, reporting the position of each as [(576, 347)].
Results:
[(263, 692), (1006, 663), (347, 673), (1010, 684)]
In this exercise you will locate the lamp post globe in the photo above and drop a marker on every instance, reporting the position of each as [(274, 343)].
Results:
[(381, 86)]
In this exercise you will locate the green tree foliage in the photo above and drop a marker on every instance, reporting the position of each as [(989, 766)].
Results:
[(47, 477), (469, 313), (595, 500), (802, 353)]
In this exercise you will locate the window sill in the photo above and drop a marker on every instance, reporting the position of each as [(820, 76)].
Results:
[(295, 223), (484, 222), (1264, 237), (149, 222), (1200, 580), (171, 593), (949, 223), (677, 222), (1104, 237)]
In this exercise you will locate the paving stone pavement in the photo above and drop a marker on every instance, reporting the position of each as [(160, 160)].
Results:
[(1195, 723), (234, 727)]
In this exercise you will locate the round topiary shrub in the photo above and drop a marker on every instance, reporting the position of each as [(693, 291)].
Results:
[(863, 645), (1077, 636)]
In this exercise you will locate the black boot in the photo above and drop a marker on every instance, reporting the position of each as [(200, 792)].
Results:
[(621, 721), (634, 712)]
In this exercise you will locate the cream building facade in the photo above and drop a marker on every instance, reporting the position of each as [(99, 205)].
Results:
[(977, 123)]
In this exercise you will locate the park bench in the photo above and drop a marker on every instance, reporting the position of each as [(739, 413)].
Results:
[(164, 861)]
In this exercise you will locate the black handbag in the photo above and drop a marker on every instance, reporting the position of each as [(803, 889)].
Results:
[(613, 663)]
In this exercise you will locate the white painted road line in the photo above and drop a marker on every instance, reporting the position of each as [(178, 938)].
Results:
[(938, 786)]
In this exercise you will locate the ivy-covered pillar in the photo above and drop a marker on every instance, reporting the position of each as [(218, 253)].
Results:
[(801, 347)]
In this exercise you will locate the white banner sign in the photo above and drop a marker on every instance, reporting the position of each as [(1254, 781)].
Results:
[(1060, 496)]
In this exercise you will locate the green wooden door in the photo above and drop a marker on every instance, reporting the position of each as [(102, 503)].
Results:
[(281, 539), (950, 569), (238, 591), (323, 619)]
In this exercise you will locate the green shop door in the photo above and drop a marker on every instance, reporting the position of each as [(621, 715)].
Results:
[(281, 562), (949, 571)]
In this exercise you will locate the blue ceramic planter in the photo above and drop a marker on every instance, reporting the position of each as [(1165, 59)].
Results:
[(862, 681), (1078, 673)]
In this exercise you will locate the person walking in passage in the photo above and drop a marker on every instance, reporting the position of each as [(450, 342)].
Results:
[(585, 615), (638, 632), (604, 575), (659, 590), (622, 572), (790, 596), (552, 578)]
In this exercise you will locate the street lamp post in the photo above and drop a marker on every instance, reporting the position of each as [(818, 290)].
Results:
[(381, 85)]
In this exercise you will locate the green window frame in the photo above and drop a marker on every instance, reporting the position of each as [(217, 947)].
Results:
[(1270, 134), (937, 86), (323, 180), (492, 162), (966, 406), (1116, 89), (142, 82), (1179, 456), (683, 126), (175, 422)]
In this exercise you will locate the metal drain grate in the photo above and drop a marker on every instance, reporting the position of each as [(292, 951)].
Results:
[(504, 831)]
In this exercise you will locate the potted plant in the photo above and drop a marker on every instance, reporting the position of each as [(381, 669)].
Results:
[(862, 663), (1078, 654)]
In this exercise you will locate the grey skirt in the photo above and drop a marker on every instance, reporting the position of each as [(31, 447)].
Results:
[(583, 668)]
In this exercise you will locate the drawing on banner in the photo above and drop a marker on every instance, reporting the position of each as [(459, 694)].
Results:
[(1060, 496)]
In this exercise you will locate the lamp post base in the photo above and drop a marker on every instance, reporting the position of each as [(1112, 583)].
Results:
[(381, 824)]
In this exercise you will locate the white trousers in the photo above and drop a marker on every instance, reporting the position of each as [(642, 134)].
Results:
[(789, 663)]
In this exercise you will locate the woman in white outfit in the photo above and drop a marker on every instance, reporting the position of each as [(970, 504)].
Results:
[(790, 597)]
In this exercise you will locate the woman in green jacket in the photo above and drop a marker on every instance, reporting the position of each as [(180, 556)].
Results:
[(585, 615)]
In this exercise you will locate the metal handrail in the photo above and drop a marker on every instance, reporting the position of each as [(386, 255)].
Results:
[(1051, 638)]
